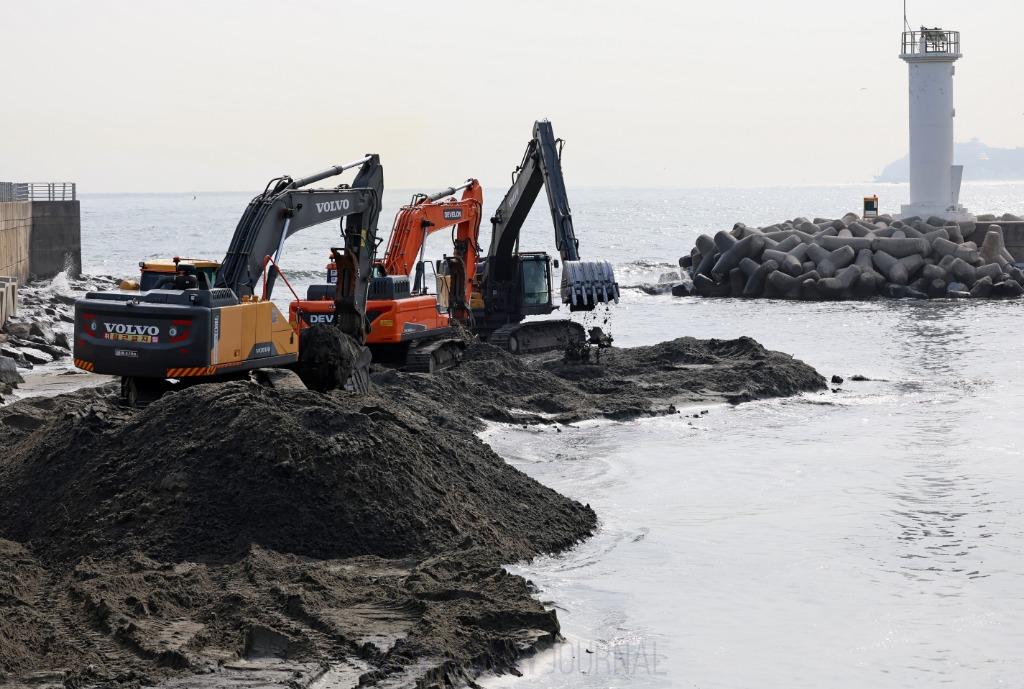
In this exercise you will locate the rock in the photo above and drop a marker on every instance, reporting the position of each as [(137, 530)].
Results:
[(786, 285), (856, 243), (731, 257), (749, 266), (991, 270), (788, 263), (42, 331), (900, 248), (809, 290), (707, 262), (933, 272), (683, 289), (982, 288), (912, 264), (992, 247), (60, 339), (837, 380), (737, 280), (937, 234), (755, 283), (936, 289), (9, 372), (705, 245), (706, 287), (891, 268), (788, 244), (36, 356), (944, 247), (17, 329), (724, 241), (686, 261), (278, 379), (1007, 289), (799, 252)]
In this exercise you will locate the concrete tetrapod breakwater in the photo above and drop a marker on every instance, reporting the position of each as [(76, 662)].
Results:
[(851, 258)]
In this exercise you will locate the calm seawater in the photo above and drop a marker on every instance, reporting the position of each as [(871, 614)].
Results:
[(871, 537)]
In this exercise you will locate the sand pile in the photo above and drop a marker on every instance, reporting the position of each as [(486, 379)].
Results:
[(236, 533), (204, 473)]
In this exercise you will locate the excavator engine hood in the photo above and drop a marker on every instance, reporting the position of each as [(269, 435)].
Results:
[(585, 284)]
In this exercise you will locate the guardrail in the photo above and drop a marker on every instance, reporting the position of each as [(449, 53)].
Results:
[(38, 191), (931, 42)]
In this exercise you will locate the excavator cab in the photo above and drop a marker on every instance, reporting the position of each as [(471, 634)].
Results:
[(535, 282), (162, 273)]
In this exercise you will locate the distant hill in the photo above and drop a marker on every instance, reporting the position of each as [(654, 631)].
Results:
[(980, 162)]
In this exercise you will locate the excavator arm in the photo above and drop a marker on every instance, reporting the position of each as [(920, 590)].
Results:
[(584, 283), (285, 207), (431, 213)]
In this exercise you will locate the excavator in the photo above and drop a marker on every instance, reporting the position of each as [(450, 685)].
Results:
[(511, 285), (492, 295), (409, 327), (191, 331)]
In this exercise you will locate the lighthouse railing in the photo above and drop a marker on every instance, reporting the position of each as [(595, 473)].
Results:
[(931, 42)]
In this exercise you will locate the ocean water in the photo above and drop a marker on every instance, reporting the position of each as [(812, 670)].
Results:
[(868, 537)]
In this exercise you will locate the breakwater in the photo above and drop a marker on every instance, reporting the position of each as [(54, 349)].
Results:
[(853, 258)]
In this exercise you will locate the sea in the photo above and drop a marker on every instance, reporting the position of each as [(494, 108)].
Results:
[(871, 535)]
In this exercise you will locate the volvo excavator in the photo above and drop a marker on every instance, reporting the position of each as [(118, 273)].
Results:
[(410, 327), (190, 331), (511, 285)]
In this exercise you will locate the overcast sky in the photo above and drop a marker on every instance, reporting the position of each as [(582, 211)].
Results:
[(198, 95)]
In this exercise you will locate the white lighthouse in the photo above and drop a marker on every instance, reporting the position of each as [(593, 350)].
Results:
[(934, 180)]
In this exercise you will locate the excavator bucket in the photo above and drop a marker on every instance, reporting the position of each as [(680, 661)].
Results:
[(585, 284)]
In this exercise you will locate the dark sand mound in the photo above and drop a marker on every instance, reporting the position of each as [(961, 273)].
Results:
[(626, 383), (204, 473), (235, 534)]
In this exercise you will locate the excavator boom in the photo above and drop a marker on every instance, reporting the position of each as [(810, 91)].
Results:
[(584, 284), (431, 213), (285, 207)]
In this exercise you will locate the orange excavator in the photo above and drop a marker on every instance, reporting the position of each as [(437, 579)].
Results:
[(408, 326)]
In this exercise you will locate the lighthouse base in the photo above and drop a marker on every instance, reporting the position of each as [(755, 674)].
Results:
[(926, 210)]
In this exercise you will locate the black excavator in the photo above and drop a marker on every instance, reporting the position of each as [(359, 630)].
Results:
[(190, 331), (511, 284)]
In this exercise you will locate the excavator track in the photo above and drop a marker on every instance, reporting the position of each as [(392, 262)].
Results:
[(435, 355), (538, 336)]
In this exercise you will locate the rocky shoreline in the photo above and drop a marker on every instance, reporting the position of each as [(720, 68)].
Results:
[(257, 533), (40, 332)]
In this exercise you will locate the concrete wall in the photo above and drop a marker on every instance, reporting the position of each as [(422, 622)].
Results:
[(15, 239), (56, 238), (38, 238)]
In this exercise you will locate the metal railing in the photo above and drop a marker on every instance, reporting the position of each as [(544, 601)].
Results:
[(38, 191), (931, 42)]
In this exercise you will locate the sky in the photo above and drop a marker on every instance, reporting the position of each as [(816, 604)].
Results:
[(190, 95)]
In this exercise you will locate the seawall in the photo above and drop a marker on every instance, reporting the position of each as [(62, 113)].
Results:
[(40, 230), (15, 239)]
